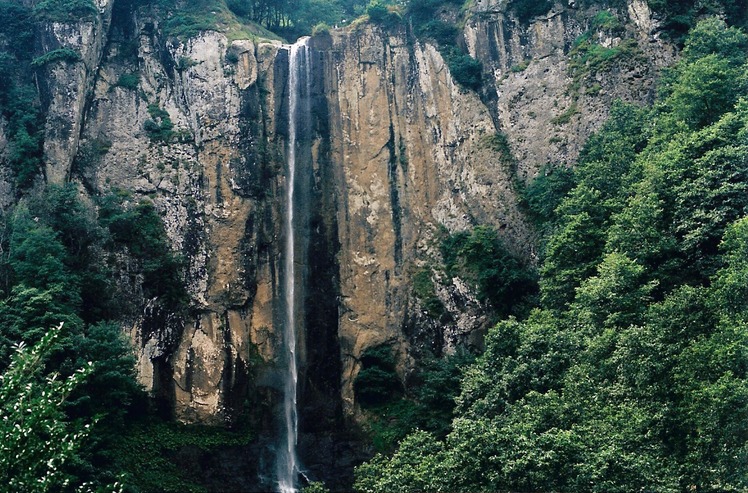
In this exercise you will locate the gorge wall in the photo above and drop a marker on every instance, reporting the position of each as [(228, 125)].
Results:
[(394, 152)]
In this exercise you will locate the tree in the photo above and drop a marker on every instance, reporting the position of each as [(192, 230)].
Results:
[(36, 439), (414, 467)]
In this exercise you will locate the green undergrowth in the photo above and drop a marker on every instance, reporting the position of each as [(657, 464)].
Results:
[(148, 454), (187, 19), (129, 81), (377, 382), (541, 196), (526, 10), (681, 15), (588, 58), (19, 101), (445, 32), (65, 10), (138, 229), (160, 128)]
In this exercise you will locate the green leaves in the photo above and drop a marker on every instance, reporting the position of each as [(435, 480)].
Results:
[(479, 257), (36, 439), (414, 467)]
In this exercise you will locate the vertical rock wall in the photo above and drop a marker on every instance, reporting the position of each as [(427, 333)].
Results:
[(395, 150), (66, 86)]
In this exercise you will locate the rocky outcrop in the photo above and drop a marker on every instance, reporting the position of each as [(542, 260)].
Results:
[(66, 85), (206, 175), (545, 97), (415, 153), (393, 153)]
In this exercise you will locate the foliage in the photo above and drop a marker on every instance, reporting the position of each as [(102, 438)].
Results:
[(424, 289), (443, 33), (64, 10), (58, 55), (159, 128), (525, 10), (146, 453), (481, 259), (139, 229), (36, 439), (544, 193), (682, 15), (382, 13), (428, 405), (129, 81), (520, 67), (25, 129), (566, 116), (411, 468), (588, 58), (315, 487), (604, 173), (466, 70), (320, 29), (606, 20), (377, 382), (633, 372), (54, 271)]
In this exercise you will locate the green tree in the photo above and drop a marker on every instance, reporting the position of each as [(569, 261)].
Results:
[(414, 467), (36, 440)]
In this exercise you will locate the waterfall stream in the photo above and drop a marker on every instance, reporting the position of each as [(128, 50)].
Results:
[(298, 108)]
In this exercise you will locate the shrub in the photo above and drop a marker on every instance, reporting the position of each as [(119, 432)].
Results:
[(140, 229), (382, 14), (38, 443), (566, 116), (377, 382), (377, 11), (543, 194), (423, 287), (128, 81), (465, 70), (239, 7), (65, 10), (159, 128), (525, 10), (60, 54), (520, 67), (442, 32), (25, 127), (156, 467), (232, 57), (320, 29), (605, 20), (479, 257)]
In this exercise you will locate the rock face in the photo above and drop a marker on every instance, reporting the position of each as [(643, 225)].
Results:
[(393, 151), (66, 86)]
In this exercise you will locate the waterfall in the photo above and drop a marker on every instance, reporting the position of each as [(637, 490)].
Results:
[(298, 93)]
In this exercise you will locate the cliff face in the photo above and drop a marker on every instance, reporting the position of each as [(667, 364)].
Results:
[(393, 151)]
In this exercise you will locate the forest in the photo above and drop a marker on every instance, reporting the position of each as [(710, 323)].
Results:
[(619, 361)]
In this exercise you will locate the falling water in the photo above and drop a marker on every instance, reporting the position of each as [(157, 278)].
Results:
[(288, 468)]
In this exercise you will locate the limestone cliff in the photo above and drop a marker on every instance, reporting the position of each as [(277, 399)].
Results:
[(393, 151)]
